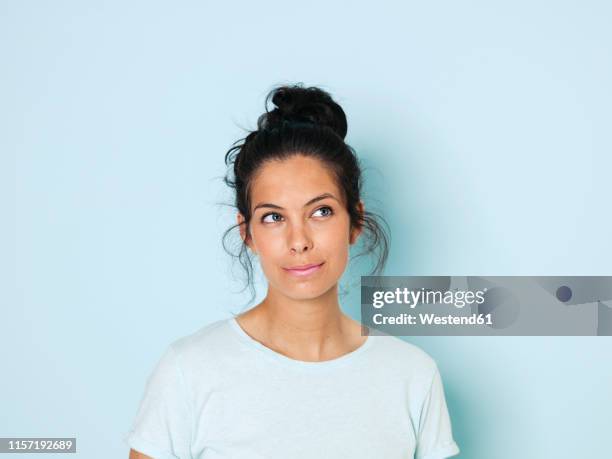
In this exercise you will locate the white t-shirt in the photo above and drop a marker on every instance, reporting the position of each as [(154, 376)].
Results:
[(220, 394)]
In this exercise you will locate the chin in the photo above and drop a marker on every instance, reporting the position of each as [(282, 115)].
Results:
[(307, 292)]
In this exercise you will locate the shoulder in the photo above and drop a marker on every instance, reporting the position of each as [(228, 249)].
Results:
[(206, 337), (208, 343)]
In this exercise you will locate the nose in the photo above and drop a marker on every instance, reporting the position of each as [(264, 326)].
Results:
[(299, 241)]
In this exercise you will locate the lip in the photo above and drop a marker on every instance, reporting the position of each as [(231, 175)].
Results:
[(304, 270)]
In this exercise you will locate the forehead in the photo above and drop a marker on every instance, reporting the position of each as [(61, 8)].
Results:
[(292, 181)]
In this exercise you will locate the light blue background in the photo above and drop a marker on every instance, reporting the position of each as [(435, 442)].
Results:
[(484, 128)]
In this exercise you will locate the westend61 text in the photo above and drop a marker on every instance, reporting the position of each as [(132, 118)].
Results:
[(432, 319)]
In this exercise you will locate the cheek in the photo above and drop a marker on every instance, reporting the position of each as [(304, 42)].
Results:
[(270, 252), (269, 249), (335, 246), (339, 258)]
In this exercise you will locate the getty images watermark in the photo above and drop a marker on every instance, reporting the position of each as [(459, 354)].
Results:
[(487, 306)]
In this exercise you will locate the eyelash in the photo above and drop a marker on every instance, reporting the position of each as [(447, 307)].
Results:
[(331, 212)]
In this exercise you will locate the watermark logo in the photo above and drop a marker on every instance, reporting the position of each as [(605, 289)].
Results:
[(487, 306)]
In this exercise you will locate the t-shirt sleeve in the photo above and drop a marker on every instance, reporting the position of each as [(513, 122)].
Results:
[(162, 428), (435, 438)]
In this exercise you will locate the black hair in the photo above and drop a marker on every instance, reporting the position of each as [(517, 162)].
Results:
[(305, 121)]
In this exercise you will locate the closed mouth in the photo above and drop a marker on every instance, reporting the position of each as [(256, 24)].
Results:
[(303, 267), (304, 272)]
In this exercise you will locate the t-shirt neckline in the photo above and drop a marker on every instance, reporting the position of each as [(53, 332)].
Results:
[(283, 359)]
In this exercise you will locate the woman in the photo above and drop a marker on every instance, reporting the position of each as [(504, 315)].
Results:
[(295, 377)]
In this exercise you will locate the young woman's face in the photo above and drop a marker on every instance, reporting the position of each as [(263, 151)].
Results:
[(298, 218)]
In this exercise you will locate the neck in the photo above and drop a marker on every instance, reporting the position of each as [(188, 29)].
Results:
[(313, 330)]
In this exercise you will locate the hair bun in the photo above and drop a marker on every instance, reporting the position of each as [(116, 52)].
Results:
[(303, 105)]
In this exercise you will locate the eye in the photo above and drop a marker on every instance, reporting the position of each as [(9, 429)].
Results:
[(329, 209), (268, 215), (273, 214)]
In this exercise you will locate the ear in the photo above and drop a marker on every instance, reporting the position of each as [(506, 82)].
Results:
[(243, 231), (357, 231)]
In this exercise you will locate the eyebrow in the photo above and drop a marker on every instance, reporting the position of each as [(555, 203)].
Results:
[(312, 201)]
